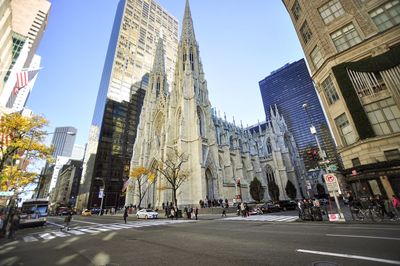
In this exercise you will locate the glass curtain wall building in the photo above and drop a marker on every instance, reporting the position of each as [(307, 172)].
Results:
[(289, 88), (137, 27)]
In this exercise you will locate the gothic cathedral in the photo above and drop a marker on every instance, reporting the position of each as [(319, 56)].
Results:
[(219, 153)]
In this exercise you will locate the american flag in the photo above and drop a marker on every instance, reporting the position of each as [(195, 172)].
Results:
[(23, 78)]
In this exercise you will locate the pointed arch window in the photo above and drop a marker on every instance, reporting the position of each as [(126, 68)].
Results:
[(270, 174), (201, 122), (184, 60), (191, 57), (231, 144), (269, 147), (158, 86)]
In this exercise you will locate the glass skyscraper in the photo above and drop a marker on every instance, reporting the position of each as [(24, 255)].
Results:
[(137, 27), (289, 88)]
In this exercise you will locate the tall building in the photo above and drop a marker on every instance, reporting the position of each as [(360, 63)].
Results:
[(63, 141), (29, 21), (289, 88), (222, 159), (353, 51), (137, 26), (6, 41)]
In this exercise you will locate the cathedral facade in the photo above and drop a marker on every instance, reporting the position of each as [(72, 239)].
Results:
[(222, 158)]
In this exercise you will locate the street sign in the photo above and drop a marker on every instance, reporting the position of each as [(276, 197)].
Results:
[(334, 217), (101, 193), (333, 167), (331, 182), (6, 193)]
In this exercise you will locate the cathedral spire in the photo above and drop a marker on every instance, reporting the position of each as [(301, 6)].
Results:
[(159, 63), (187, 26)]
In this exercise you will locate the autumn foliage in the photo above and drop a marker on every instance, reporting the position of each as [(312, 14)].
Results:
[(21, 143)]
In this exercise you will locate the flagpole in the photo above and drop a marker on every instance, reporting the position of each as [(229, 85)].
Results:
[(23, 69)]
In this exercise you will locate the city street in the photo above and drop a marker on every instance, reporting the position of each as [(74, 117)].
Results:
[(107, 240)]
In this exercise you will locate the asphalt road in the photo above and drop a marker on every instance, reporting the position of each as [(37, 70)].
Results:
[(228, 241)]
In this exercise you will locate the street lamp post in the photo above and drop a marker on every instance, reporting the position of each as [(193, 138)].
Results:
[(103, 194), (322, 155)]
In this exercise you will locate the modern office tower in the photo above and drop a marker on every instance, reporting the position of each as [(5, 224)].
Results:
[(63, 141), (29, 21), (353, 51), (6, 41), (289, 88), (137, 27)]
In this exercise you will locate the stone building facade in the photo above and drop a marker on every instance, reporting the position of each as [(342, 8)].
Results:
[(352, 48), (219, 153)]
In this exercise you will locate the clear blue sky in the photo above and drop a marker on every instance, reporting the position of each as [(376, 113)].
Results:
[(241, 42)]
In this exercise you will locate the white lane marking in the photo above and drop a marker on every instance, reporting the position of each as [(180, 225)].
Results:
[(395, 262), (266, 218), (372, 237), (102, 229), (30, 239), (369, 228)]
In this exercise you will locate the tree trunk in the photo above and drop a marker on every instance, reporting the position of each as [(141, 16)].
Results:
[(174, 197)]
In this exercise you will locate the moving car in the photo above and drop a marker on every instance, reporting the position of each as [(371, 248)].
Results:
[(270, 207), (86, 213), (147, 214)]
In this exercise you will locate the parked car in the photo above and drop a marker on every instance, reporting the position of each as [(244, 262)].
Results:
[(287, 205), (270, 207), (147, 214), (95, 211), (86, 213)]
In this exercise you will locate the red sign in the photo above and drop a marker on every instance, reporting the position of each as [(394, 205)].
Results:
[(353, 172)]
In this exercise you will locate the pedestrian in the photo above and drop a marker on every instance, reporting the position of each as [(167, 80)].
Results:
[(125, 214), (67, 221), (14, 226), (223, 212), (196, 212), (300, 207), (396, 206), (163, 206), (172, 211)]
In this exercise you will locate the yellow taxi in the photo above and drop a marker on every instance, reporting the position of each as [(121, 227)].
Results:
[(86, 213)]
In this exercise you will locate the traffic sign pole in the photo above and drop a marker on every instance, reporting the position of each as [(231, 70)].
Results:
[(333, 186)]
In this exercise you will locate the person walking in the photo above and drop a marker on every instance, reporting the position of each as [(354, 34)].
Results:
[(172, 211), (223, 211), (67, 221), (126, 214), (196, 212), (396, 206), (14, 226)]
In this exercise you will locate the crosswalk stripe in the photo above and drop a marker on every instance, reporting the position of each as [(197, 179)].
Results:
[(76, 232), (88, 230), (47, 236), (30, 239), (264, 218), (102, 228), (60, 234)]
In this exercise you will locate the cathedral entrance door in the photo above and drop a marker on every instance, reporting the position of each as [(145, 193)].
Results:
[(210, 185)]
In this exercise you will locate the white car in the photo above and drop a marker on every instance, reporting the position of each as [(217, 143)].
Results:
[(147, 214)]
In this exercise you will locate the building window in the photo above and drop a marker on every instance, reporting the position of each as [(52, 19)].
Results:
[(331, 10), (355, 162), (384, 116), (387, 15), (306, 32), (316, 57), (345, 37), (296, 10), (345, 129), (330, 90), (392, 155)]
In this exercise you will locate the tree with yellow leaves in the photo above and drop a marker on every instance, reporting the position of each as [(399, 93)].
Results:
[(142, 177), (21, 143)]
